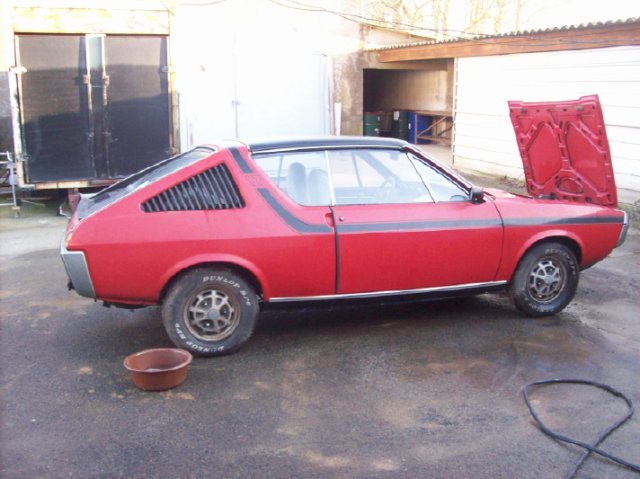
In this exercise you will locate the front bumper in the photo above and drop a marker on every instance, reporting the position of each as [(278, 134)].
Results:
[(78, 272)]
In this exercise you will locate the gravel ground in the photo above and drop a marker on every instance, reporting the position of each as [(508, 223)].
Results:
[(413, 390)]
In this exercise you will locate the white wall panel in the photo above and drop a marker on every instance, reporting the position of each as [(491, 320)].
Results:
[(483, 136), (241, 75), (283, 95)]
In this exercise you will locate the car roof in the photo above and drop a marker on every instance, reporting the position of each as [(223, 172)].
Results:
[(272, 145)]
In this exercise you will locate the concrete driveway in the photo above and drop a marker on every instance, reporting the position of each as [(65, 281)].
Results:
[(416, 391)]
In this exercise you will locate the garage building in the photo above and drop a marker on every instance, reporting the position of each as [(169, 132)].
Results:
[(477, 78)]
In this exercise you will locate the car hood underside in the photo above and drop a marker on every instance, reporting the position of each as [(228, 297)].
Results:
[(564, 150)]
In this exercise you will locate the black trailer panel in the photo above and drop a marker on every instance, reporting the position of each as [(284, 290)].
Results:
[(55, 129), (6, 123), (93, 107), (138, 102)]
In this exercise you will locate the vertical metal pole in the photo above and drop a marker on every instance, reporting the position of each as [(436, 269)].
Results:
[(15, 97), (104, 81), (86, 79), (12, 179)]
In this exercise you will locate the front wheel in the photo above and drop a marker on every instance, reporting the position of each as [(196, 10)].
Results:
[(545, 280), (210, 312)]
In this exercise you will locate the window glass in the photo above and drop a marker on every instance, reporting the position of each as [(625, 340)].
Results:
[(441, 187), (302, 176), (144, 177), (357, 177), (375, 177)]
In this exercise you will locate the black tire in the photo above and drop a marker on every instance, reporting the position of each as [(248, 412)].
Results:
[(210, 312), (546, 280)]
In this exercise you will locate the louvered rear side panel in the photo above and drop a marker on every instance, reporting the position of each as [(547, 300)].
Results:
[(213, 189)]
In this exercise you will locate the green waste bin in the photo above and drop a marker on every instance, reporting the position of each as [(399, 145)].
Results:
[(372, 124), (400, 124)]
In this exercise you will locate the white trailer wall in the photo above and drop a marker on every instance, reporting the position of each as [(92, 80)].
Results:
[(483, 136)]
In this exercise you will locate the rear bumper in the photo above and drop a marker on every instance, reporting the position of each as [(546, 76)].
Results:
[(625, 228), (78, 272)]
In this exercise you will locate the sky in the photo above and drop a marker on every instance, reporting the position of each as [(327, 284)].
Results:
[(534, 14), (549, 13)]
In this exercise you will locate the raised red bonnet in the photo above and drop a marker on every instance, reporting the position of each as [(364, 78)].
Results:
[(564, 150)]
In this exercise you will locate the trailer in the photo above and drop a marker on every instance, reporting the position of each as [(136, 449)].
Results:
[(87, 96)]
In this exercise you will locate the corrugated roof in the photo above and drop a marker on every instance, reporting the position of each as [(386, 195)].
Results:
[(518, 33)]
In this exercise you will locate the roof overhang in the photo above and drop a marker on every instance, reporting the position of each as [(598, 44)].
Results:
[(573, 38)]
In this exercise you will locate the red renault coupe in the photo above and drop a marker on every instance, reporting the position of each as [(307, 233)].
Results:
[(218, 233)]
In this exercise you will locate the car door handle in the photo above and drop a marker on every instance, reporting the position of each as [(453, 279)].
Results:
[(328, 218)]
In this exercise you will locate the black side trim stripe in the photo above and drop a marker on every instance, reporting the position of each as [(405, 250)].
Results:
[(296, 223), (303, 227), (242, 162), (563, 221), (467, 224), (419, 225)]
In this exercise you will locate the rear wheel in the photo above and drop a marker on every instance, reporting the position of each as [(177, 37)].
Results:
[(545, 280), (210, 312)]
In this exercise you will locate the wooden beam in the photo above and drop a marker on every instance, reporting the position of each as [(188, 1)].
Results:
[(88, 20), (62, 185), (557, 40)]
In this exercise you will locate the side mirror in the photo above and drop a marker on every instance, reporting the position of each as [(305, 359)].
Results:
[(476, 195)]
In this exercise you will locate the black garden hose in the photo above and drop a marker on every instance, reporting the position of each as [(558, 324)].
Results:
[(588, 448)]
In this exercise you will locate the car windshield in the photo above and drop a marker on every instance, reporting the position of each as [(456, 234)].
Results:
[(142, 178)]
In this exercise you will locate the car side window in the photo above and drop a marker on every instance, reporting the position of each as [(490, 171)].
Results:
[(357, 177), (302, 176), (364, 176), (440, 186)]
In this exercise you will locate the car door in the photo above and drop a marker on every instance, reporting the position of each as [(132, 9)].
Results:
[(403, 224), (301, 257)]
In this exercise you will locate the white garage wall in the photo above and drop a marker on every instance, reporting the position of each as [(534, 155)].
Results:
[(483, 137), (248, 75), (283, 95)]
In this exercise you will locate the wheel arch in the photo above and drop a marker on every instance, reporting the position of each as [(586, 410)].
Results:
[(247, 272), (572, 243)]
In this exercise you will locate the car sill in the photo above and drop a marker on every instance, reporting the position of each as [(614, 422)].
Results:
[(380, 294)]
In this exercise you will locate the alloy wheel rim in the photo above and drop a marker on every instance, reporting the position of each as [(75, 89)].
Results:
[(547, 280), (211, 315)]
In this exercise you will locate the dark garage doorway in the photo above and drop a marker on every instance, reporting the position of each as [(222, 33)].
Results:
[(414, 104)]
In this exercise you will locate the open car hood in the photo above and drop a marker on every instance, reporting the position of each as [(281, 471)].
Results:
[(564, 150)]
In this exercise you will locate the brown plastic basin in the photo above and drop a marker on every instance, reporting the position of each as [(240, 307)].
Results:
[(158, 369)]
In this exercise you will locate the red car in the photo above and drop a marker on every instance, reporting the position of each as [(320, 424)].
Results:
[(218, 233)]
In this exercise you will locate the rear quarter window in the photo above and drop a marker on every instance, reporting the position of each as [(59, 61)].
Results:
[(141, 179)]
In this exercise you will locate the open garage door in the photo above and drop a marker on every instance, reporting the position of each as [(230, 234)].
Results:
[(411, 104)]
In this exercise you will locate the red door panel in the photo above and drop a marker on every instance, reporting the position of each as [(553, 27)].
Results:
[(413, 246)]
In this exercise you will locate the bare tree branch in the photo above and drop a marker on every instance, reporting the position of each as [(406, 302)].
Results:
[(432, 17)]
